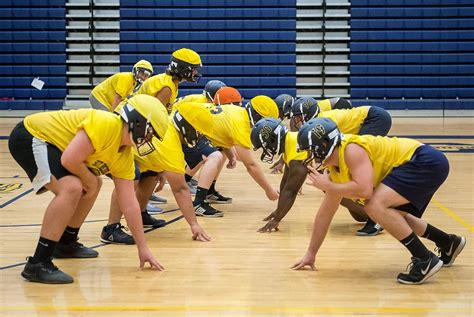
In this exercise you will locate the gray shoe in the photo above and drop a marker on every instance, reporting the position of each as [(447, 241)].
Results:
[(192, 188), (155, 199), (153, 210)]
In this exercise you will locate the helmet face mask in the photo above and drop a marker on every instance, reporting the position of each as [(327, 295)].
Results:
[(306, 108), (141, 74), (187, 131), (184, 71), (269, 134), (319, 137), (140, 129)]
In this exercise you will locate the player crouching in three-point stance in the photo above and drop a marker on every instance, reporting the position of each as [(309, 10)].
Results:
[(396, 177), (65, 152)]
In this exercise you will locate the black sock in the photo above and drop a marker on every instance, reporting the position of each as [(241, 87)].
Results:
[(44, 250), (69, 235), (415, 246), (370, 222), (212, 189), (201, 194), (439, 237), (187, 177)]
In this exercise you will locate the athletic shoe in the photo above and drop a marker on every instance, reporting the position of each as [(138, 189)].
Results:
[(456, 244), (150, 222), (370, 229), (45, 272), (217, 198), (193, 182), (114, 234), (153, 210), (155, 199), (73, 250), (419, 271), (206, 210), (192, 188)]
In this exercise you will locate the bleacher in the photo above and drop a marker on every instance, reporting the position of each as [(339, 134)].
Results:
[(412, 54), (249, 44), (32, 37)]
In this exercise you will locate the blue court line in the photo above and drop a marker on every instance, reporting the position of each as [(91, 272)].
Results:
[(16, 198), (104, 244)]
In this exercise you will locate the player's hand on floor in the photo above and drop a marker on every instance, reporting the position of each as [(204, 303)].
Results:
[(307, 260), (145, 255), (199, 234), (272, 225)]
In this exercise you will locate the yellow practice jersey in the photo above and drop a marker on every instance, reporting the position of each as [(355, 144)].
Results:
[(199, 98), (290, 153), (154, 84), (121, 84), (347, 120), (104, 130), (324, 105), (225, 126), (385, 153), (168, 156)]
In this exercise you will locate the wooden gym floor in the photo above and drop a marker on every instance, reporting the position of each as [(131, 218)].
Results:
[(242, 272)]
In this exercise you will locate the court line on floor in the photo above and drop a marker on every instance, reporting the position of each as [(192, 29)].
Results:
[(8, 202), (419, 310), (105, 244), (453, 215)]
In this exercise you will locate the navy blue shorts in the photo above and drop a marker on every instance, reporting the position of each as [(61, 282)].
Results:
[(418, 179), (378, 122), (193, 156)]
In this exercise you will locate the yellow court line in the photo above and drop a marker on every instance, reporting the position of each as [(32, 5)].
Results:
[(238, 308), (453, 215)]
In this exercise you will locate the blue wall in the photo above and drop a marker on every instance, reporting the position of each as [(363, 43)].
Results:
[(33, 44), (412, 54), (249, 44)]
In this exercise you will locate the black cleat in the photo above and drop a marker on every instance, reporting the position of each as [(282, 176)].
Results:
[(45, 272), (419, 271), (150, 222), (206, 210), (456, 244), (114, 234), (73, 250)]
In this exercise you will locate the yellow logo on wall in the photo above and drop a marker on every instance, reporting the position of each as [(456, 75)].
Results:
[(6, 188)]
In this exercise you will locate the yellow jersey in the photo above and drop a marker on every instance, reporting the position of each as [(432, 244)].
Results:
[(154, 84), (104, 130), (385, 153), (199, 98), (324, 105), (290, 153), (168, 155), (121, 84), (225, 126), (347, 120)]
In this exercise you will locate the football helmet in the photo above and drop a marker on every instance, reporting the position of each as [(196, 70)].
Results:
[(269, 134), (228, 95), (261, 107), (318, 136), (303, 110), (142, 70), (211, 88), (146, 118), (284, 103), (185, 65)]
